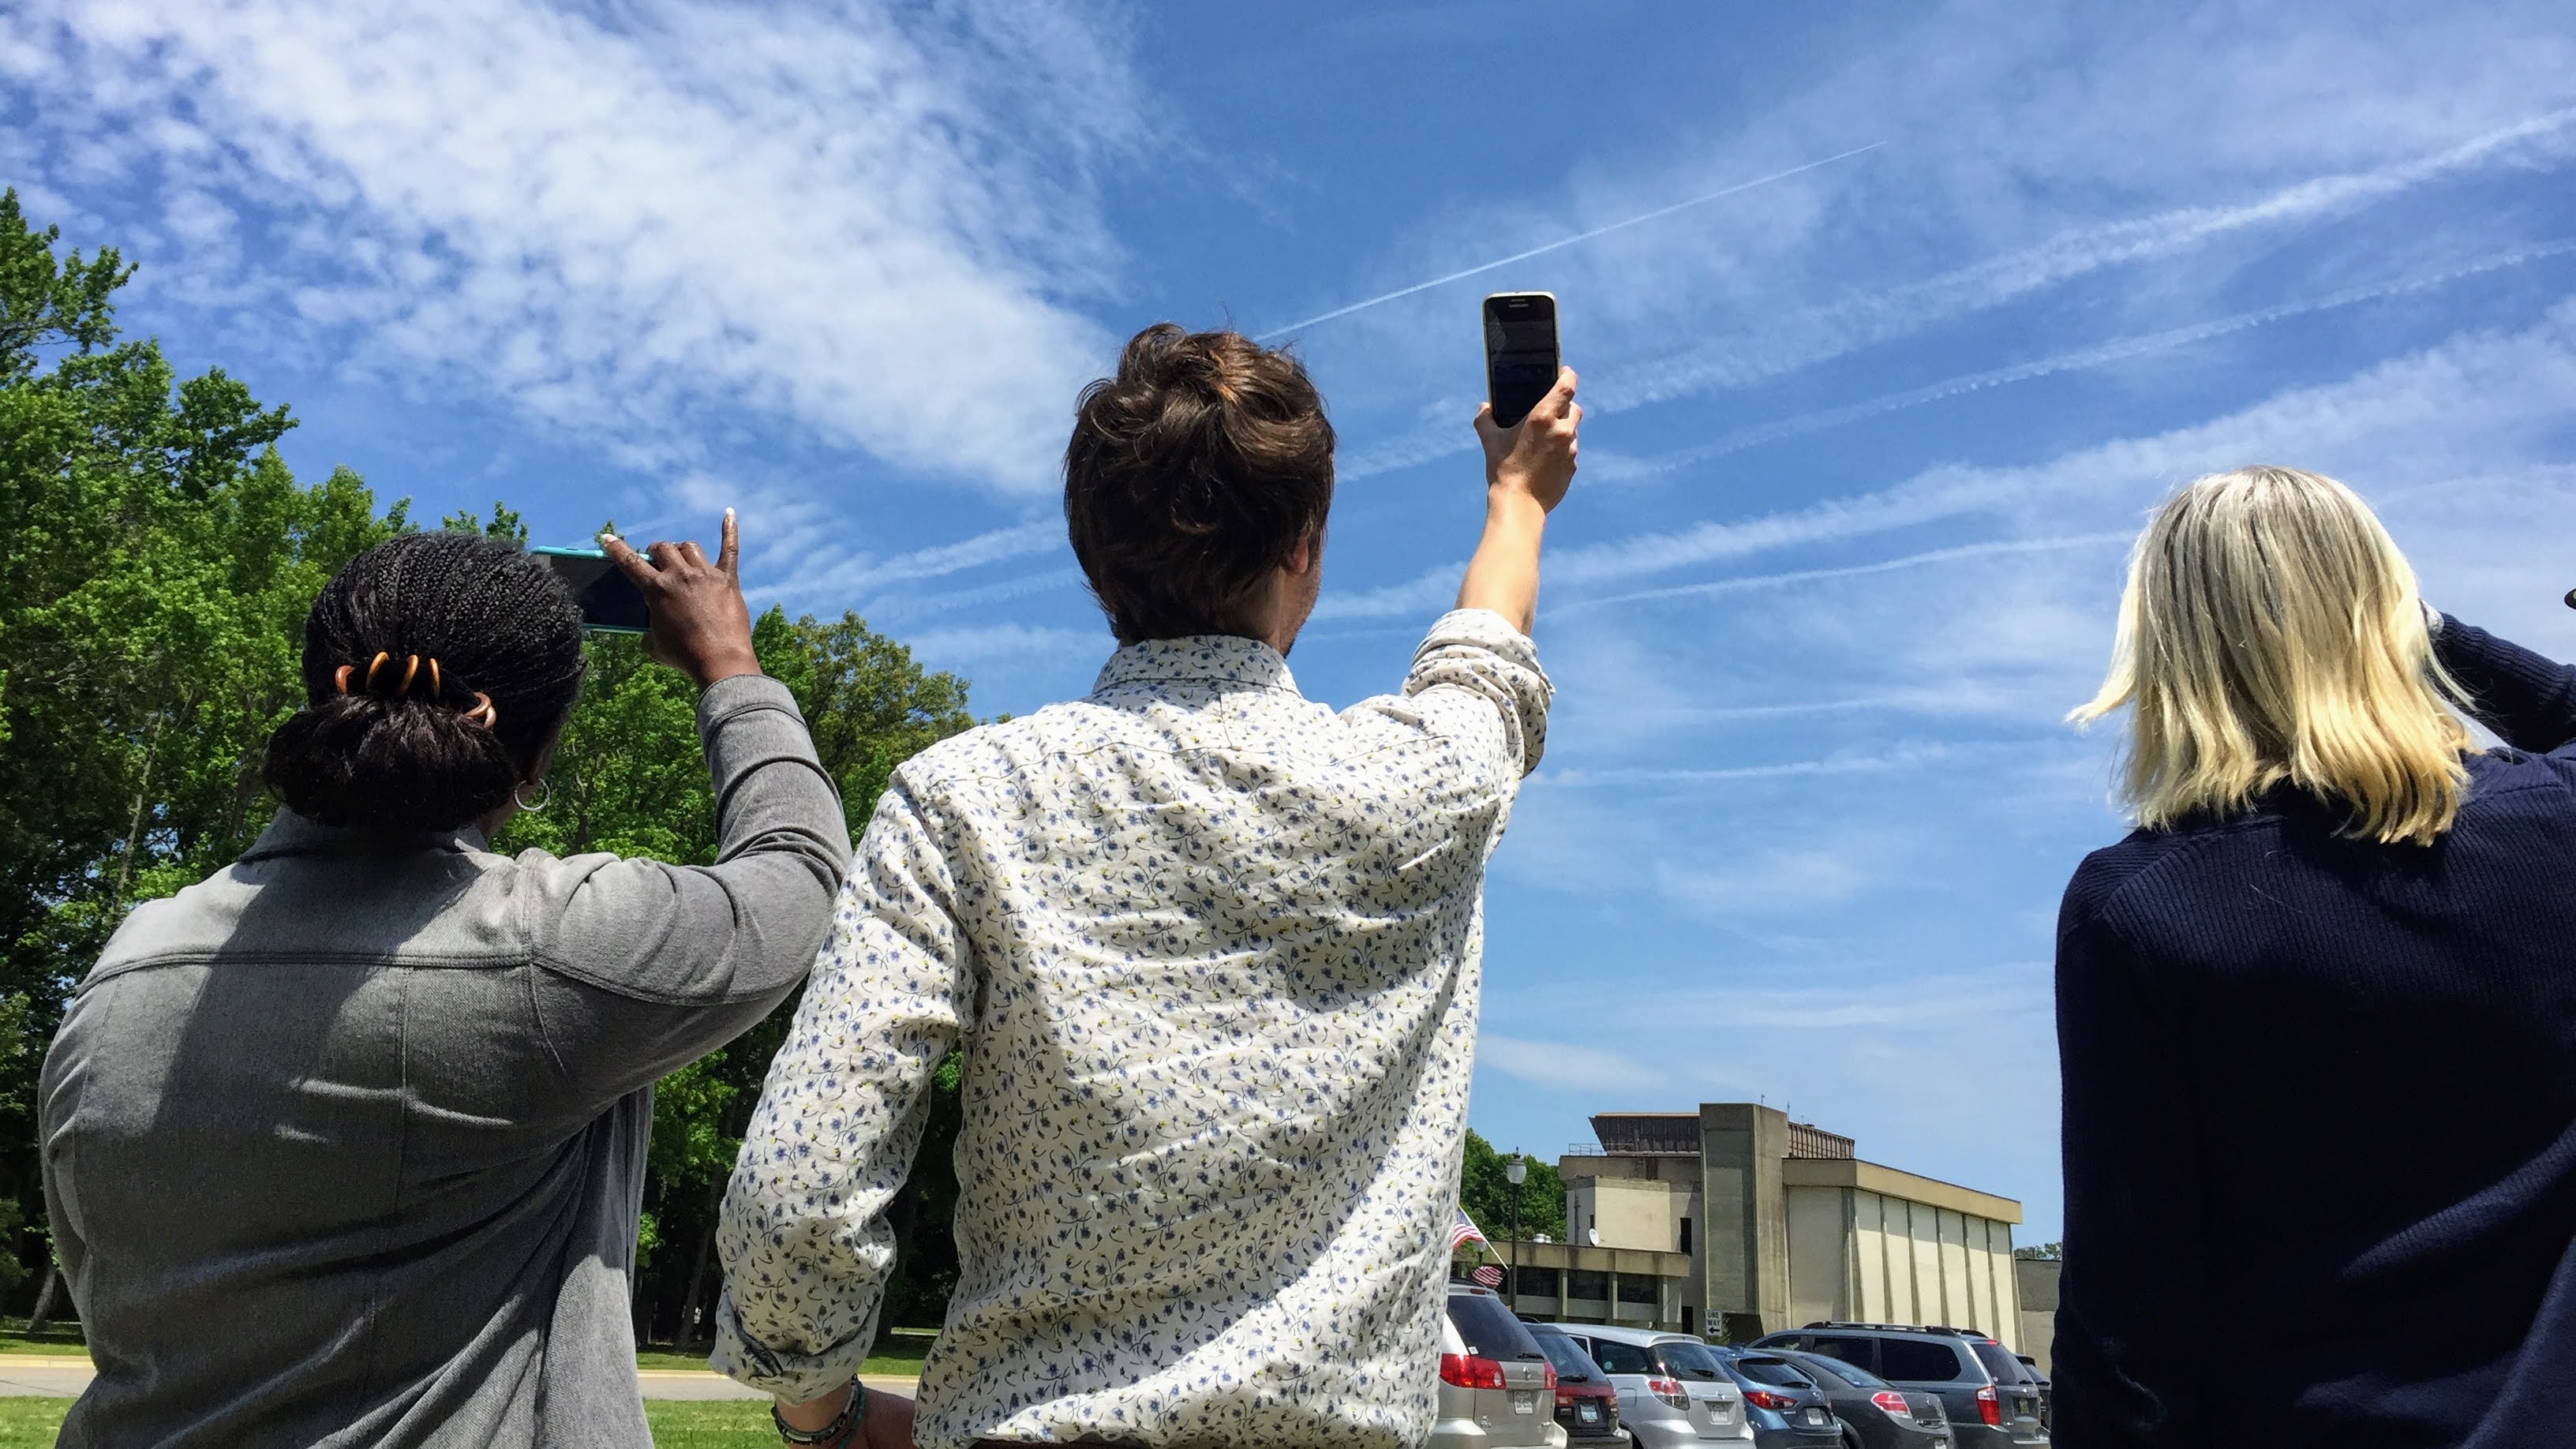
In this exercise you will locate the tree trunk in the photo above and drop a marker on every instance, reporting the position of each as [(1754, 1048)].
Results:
[(44, 1299), (134, 822), (697, 1285)]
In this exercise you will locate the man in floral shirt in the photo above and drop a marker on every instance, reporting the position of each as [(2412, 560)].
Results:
[(1212, 952)]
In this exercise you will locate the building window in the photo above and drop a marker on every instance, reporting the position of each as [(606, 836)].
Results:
[(1685, 1235), (1687, 1325), (1638, 1288), (1591, 1221), (1536, 1282), (1591, 1286)]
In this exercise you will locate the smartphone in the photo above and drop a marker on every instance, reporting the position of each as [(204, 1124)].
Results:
[(610, 602), (1520, 352)]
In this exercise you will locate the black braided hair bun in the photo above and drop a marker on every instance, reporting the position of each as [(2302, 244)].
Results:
[(387, 755)]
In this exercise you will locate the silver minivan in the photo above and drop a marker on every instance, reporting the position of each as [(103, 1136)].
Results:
[(1666, 1405), (1497, 1387)]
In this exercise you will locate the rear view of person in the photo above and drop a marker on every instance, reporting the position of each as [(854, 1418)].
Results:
[(1212, 952), (345, 1145), (2317, 1015)]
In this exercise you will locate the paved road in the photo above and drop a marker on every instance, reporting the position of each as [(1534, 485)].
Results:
[(65, 1376)]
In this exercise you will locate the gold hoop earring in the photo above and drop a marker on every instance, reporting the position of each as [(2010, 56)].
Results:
[(545, 796)]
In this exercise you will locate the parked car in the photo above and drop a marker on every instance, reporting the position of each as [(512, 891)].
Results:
[(2047, 1392), (1493, 1379), (1587, 1403), (1786, 1408), (1672, 1393), (1992, 1405), (1875, 1413)]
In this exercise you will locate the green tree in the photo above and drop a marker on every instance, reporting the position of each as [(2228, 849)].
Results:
[(159, 558), (1485, 1191)]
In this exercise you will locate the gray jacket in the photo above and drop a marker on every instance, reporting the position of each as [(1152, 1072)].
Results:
[(346, 1144)]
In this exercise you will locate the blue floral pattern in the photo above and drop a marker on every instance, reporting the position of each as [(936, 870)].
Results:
[(1212, 952)]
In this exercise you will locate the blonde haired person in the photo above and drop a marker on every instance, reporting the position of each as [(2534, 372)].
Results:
[(2317, 1014)]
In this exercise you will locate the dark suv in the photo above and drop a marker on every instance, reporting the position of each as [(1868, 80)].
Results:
[(1993, 1401)]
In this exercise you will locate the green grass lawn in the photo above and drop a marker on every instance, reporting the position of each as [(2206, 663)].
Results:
[(31, 1423), (27, 1423), (900, 1354), (58, 1338)]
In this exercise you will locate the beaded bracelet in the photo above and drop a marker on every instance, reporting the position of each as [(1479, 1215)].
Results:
[(835, 1432)]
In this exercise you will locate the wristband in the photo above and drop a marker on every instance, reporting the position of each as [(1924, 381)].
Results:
[(835, 1432)]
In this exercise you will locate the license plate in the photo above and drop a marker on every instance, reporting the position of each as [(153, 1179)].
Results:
[(1587, 1412), (1721, 1410), (1815, 1416), (1524, 1401)]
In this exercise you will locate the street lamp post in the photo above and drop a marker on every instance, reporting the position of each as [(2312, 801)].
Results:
[(1515, 1172)]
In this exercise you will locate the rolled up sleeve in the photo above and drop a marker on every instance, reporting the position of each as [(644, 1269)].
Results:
[(803, 1233), (1477, 680)]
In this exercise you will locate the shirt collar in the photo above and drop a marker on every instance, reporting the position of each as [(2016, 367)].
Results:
[(1218, 660), (293, 834)]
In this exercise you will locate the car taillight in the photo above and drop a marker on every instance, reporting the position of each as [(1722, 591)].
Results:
[(1990, 1407), (1469, 1371), (1893, 1404), (1548, 1376), (1564, 1400), (1765, 1399), (1670, 1391)]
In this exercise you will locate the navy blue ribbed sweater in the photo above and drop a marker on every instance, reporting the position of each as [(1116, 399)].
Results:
[(2320, 1114)]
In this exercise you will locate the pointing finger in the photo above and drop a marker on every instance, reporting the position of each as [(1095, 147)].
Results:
[(729, 552), (628, 561)]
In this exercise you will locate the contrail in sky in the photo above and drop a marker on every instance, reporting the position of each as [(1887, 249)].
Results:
[(1800, 576), (2110, 352), (1741, 186)]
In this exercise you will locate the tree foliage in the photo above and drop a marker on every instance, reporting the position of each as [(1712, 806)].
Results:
[(1485, 1191), (157, 558)]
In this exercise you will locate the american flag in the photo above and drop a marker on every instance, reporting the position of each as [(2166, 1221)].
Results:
[(1488, 1275), (1465, 1232)]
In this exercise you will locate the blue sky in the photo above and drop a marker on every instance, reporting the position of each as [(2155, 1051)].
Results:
[(1863, 450)]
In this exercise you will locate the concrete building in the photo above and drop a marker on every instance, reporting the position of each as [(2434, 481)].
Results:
[(1578, 1283), (1781, 1224)]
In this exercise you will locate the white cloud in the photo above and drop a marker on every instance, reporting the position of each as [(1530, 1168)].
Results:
[(1084, 648), (1565, 1067), (1803, 340), (856, 218)]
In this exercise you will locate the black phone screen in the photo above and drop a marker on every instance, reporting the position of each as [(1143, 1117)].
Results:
[(1520, 353), (608, 598)]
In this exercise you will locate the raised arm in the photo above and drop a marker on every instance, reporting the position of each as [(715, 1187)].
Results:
[(2528, 700), (1527, 470), (653, 965)]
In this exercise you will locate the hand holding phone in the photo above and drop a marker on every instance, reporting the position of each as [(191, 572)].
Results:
[(1537, 457), (700, 625)]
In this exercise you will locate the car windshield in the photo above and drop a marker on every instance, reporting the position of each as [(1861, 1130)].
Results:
[(1568, 1356), (1686, 1360), (1777, 1372), (1850, 1373), (1999, 1361), (1489, 1329), (1921, 1361), (1620, 1358)]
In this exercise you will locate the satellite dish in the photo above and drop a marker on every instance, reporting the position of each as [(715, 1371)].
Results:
[(1593, 1235)]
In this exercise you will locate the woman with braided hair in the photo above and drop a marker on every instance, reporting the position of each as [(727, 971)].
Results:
[(345, 1145)]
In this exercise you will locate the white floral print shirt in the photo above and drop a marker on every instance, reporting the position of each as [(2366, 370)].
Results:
[(1212, 952)]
